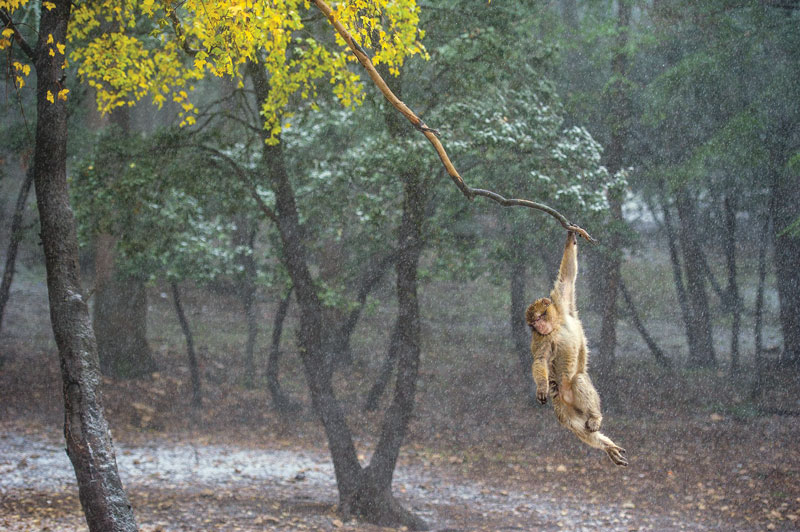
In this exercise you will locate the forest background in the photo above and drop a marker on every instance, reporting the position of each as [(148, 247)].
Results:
[(242, 289)]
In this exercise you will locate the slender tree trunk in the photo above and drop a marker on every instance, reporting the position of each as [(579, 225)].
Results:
[(13, 244), (677, 269), (282, 403), (732, 300), (658, 354), (701, 346), (245, 238), (758, 381), (620, 103), (89, 446), (787, 258), (519, 329), (380, 384), (194, 369)]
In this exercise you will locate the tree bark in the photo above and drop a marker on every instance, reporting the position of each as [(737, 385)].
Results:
[(701, 346), (194, 369), (620, 104), (732, 298), (89, 446), (13, 245)]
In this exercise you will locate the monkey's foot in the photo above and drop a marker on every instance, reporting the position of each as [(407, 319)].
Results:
[(541, 396), (617, 455), (593, 423)]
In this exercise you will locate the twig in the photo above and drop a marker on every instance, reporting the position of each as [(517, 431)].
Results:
[(432, 135), (5, 18)]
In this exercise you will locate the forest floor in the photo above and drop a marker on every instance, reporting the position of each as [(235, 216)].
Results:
[(703, 456)]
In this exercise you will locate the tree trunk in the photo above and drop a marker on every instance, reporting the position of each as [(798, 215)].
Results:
[(732, 299), (620, 116), (119, 317), (13, 245), (374, 498), (194, 369), (658, 354), (519, 329), (89, 446), (787, 258), (282, 403), (120, 303), (701, 346), (758, 382), (677, 268), (245, 238), (363, 492)]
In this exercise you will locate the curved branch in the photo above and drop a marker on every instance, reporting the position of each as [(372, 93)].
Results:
[(432, 135), (269, 213)]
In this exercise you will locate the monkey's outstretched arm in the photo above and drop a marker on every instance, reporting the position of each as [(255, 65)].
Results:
[(564, 289), (541, 359)]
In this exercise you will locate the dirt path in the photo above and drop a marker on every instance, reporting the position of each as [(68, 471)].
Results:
[(184, 486)]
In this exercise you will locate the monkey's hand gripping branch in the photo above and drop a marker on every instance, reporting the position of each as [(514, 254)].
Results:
[(431, 134)]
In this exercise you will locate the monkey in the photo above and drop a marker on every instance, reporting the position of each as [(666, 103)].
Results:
[(560, 353)]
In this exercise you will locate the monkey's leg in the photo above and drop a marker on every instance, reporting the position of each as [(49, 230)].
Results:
[(598, 440), (586, 399)]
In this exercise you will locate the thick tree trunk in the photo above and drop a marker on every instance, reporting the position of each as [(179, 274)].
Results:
[(701, 346), (732, 299), (380, 384), (620, 104), (88, 441), (519, 329), (282, 403), (120, 302), (119, 317), (787, 258), (13, 245), (191, 355)]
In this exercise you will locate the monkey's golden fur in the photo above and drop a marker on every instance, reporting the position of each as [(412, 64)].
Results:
[(559, 354)]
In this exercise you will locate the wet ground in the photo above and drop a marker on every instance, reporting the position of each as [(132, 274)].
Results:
[(185, 486)]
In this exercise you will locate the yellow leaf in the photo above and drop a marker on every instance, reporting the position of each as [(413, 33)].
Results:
[(62, 94), (20, 82), (8, 32), (49, 5), (51, 52), (49, 38), (61, 48), (50, 97)]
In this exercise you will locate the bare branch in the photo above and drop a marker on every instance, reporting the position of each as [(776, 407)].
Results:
[(5, 18), (432, 135)]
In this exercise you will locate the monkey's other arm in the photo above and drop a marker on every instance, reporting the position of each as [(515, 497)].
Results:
[(564, 290), (541, 358)]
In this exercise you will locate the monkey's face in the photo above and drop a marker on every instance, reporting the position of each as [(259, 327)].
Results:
[(538, 316)]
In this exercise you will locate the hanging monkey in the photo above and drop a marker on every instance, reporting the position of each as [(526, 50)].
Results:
[(558, 346)]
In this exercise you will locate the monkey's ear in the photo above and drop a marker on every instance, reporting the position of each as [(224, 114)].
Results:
[(547, 302)]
